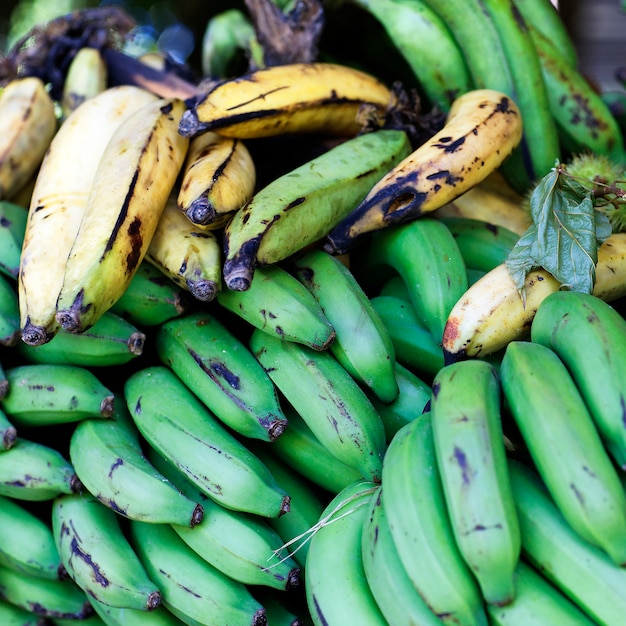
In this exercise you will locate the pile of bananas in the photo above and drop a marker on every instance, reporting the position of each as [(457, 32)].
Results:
[(239, 390)]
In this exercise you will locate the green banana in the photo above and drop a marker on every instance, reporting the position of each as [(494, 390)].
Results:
[(425, 254), (42, 394), (34, 471), (196, 592), (395, 594), (362, 344), (9, 313), (97, 555), (120, 616), (112, 340), (13, 615), (47, 598), (8, 432), (328, 399), (419, 522), (27, 543), (241, 545), (277, 607), (108, 458), (561, 437), (298, 208), (12, 228), (589, 336), (151, 298), (183, 430), (277, 303), (222, 372), (426, 44), (536, 603), (337, 589), (471, 457), (580, 570)]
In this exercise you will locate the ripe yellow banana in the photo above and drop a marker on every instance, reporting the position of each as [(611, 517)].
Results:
[(136, 176), (27, 125), (58, 200), (481, 130), (293, 98), (492, 313), (86, 77)]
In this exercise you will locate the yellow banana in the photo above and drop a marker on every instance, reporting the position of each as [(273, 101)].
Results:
[(218, 178), (86, 77), (136, 176), (58, 200), (481, 130), (189, 255), (293, 98), (492, 313), (27, 125)]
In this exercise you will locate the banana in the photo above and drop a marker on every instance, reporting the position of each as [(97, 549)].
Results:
[(192, 589), (589, 336), (425, 254), (8, 432), (277, 608), (51, 599), (426, 44), (584, 121), (581, 571), (328, 399), (12, 615), (483, 126), (536, 603), (86, 77), (222, 372), (336, 587), (492, 313), (241, 545), (323, 98), (28, 125), (151, 298), (112, 340), (27, 542), (97, 555), (469, 447), (9, 313), (302, 451), (58, 201), (395, 594), (42, 394), (561, 437), (218, 178), (12, 228), (119, 616), (110, 462), (414, 396), (34, 471), (278, 303), (136, 174), (300, 207), (418, 519), (362, 344), (183, 430), (190, 256)]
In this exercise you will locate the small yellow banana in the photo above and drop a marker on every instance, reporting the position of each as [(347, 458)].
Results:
[(218, 178), (86, 77), (135, 178), (482, 129), (27, 124), (293, 98), (492, 313)]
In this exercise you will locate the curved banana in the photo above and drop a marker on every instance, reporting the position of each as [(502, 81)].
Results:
[(117, 616), (28, 125), (320, 98), (482, 128), (59, 198), (13, 615), (12, 228), (86, 77), (135, 177)]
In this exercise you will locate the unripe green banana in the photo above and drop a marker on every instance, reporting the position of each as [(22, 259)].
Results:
[(9, 313), (41, 394), (277, 303), (222, 372), (8, 432), (328, 399), (116, 616), (97, 555), (471, 458), (12, 228), (562, 440), (183, 430), (13, 615)]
